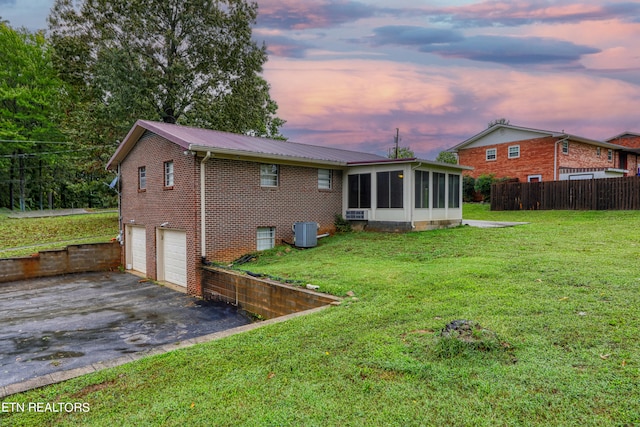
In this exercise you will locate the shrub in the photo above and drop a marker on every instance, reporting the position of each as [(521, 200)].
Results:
[(483, 185), (468, 188), (341, 224)]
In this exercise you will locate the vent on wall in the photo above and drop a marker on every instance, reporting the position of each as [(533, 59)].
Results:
[(356, 215)]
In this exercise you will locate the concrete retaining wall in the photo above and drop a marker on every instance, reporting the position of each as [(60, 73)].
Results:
[(264, 297), (73, 259)]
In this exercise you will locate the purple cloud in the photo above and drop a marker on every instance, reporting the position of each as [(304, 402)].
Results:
[(289, 14), (513, 50), (413, 36)]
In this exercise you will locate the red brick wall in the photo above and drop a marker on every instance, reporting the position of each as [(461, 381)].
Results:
[(536, 158), (179, 206), (237, 205), (632, 141)]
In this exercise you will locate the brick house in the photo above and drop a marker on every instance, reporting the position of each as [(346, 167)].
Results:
[(189, 195), (531, 155)]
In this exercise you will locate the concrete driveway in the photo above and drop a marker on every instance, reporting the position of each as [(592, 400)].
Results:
[(63, 323)]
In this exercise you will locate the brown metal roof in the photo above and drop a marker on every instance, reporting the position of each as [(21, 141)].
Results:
[(197, 139)]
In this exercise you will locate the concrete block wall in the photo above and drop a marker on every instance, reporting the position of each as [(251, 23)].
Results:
[(266, 298), (73, 259)]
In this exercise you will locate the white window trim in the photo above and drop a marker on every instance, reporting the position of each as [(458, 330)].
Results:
[(509, 152), (530, 177), (267, 177), (265, 238), (610, 155), (325, 182), (168, 174), (142, 178), (565, 147), (495, 154)]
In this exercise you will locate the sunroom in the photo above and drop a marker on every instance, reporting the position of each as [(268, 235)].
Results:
[(403, 195)]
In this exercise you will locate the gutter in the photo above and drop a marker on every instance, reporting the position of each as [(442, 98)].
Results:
[(555, 155), (203, 222)]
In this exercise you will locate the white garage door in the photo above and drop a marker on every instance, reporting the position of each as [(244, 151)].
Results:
[(175, 257), (138, 249)]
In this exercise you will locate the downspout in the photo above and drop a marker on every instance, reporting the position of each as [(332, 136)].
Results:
[(203, 222), (555, 156)]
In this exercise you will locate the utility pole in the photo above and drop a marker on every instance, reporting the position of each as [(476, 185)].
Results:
[(397, 138)]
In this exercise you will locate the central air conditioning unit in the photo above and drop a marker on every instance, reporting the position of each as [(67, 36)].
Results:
[(357, 215)]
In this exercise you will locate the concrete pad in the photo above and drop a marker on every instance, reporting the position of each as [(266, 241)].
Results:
[(490, 224), (59, 327)]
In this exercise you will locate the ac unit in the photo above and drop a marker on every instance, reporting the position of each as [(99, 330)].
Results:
[(357, 215)]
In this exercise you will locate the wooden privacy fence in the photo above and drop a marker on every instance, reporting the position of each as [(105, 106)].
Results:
[(589, 194)]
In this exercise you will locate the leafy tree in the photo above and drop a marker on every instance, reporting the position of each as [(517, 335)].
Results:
[(447, 157), (191, 62), (500, 121), (29, 102), (402, 153)]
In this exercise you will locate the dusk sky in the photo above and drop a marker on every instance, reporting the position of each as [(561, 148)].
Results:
[(348, 73)]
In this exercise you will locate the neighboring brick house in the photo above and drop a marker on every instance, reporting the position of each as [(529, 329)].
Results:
[(189, 195), (538, 155)]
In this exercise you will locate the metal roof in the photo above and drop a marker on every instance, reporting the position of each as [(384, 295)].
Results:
[(230, 144)]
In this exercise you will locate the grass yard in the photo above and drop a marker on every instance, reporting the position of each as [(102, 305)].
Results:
[(25, 236), (561, 295)]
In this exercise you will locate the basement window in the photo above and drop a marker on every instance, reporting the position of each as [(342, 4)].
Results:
[(266, 238)]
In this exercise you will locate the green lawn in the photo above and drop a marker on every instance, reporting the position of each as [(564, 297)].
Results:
[(561, 294), (25, 236)]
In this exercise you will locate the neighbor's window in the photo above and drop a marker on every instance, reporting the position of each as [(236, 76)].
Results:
[(610, 155), (514, 151), (168, 174), (439, 190), (492, 154), (266, 238), (324, 179), (565, 147), (142, 178), (390, 189), (359, 191), (268, 175), (598, 151), (454, 191), (422, 189)]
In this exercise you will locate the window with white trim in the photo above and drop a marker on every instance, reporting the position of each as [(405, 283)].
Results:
[(142, 178), (598, 151), (168, 174), (514, 151), (492, 154), (422, 189), (266, 238), (269, 175), (454, 191), (324, 179), (565, 147), (610, 155), (439, 197)]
